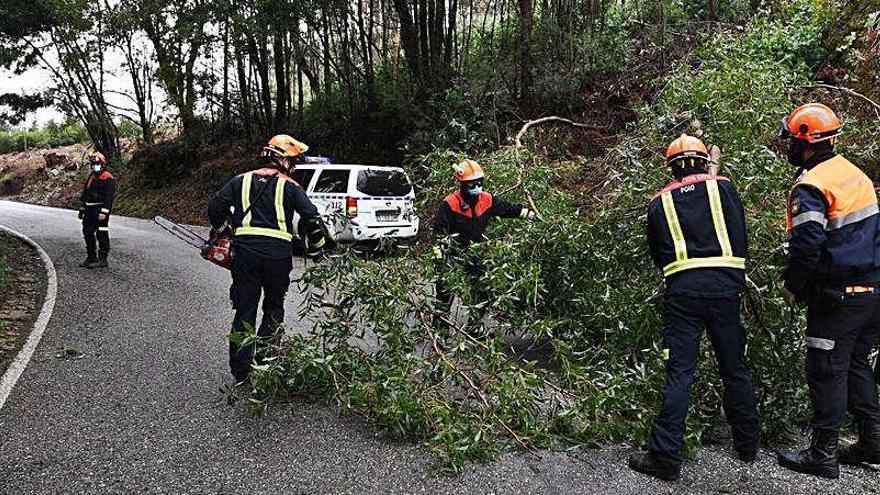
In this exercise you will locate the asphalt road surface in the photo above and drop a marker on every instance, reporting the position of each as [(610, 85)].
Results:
[(140, 412)]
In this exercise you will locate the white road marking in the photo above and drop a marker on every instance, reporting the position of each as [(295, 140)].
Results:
[(12, 374)]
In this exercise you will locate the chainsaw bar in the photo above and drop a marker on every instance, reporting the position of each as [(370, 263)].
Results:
[(184, 234)]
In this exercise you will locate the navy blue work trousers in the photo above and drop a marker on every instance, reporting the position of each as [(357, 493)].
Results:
[(685, 318), (253, 276), (841, 332)]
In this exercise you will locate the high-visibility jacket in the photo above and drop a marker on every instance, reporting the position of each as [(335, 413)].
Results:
[(834, 227), (697, 236), (466, 221), (268, 226), (99, 191)]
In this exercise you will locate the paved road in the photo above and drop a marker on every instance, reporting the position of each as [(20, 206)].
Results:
[(141, 411)]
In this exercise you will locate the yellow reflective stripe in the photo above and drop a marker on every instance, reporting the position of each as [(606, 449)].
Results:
[(711, 262), (264, 232), (246, 198), (718, 218), (104, 229), (279, 205), (674, 226)]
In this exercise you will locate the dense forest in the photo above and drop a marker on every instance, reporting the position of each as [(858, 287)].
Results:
[(367, 79), (425, 82)]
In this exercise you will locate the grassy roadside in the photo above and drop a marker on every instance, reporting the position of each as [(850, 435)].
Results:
[(5, 270), (19, 295)]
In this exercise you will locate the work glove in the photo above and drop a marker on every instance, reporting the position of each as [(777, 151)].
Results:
[(529, 214), (82, 214), (315, 247), (437, 254), (787, 295), (102, 217)]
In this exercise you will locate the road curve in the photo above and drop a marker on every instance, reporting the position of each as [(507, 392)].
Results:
[(141, 412)]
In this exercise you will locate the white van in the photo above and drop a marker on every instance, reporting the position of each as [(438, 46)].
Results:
[(360, 202)]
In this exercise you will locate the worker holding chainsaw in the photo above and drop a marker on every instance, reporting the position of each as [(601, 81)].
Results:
[(463, 217), (257, 209), (96, 203), (697, 235), (833, 268)]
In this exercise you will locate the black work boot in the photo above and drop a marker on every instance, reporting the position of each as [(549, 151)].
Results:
[(101, 262), (88, 262), (652, 465), (819, 460), (747, 455), (867, 449)]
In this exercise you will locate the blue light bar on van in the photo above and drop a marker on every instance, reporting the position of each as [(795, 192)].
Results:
[(317, 160)]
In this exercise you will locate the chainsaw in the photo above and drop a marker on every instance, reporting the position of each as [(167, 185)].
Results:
[(217, 249)]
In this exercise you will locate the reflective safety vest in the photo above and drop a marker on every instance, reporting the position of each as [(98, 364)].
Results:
[(848, 214), (266, 226), (698, 210), (849, 195)]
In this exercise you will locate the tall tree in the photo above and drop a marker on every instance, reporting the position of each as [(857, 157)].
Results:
[(65, 39), (178, 32)]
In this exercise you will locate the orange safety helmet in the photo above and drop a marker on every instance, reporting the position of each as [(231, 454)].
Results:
[(813, 123), (686, 147), (468, 170), (284, 145), (98, 157)]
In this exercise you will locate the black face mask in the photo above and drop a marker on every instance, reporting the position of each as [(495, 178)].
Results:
[(795, 153)]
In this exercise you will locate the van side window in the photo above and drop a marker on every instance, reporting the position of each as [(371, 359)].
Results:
[(302, 176), (332, 181)]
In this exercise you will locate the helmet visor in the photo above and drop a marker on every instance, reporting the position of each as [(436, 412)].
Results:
[(784, 132)]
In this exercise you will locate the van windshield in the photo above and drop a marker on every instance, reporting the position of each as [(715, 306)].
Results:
[(383, 183)]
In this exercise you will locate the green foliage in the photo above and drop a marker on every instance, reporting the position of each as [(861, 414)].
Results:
[(49, 135), (165, 163), (129, 129), (575, 302)]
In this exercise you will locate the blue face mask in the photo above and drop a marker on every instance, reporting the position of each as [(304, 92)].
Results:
[(476, 190)]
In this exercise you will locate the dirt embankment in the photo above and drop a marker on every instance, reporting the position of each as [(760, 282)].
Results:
[(54, 177), (51, 177)]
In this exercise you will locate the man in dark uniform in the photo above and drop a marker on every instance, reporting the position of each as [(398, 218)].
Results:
[(697, 236), (464, 216), (96, 203), (259, 207), (834, 268)]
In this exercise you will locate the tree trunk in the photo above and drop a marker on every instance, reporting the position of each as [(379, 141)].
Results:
[(526, 13), (281, 88)]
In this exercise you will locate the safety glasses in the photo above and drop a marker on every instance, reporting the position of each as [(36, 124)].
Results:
[(472, 183)]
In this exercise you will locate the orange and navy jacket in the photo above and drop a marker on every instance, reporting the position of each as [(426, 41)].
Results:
[(99, 191), (268, 228), (467, 222), (832, 219), (697, 236)]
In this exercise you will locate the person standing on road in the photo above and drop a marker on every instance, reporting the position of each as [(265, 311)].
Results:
[(464, 215), (96, 203), (258, 207), (697, 236), (834, 268)]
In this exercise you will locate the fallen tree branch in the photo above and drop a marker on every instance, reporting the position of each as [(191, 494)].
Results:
[(845, 90), (478, 392), (544, 120)]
